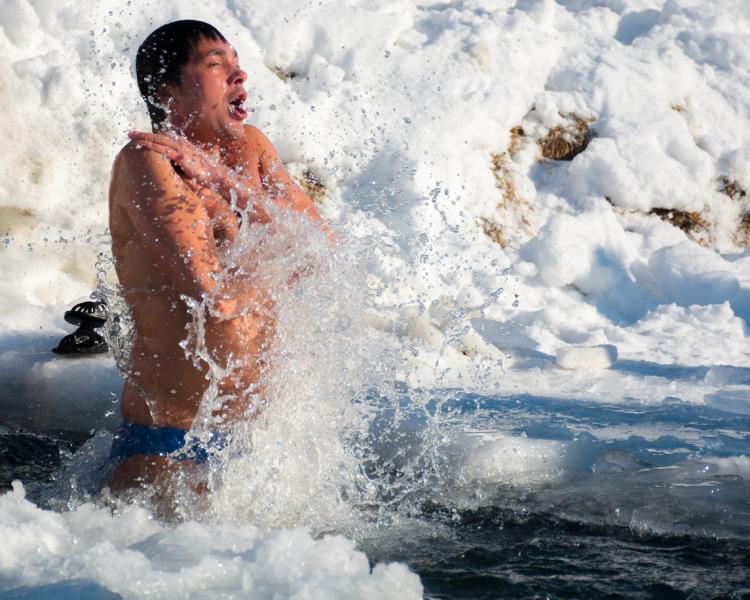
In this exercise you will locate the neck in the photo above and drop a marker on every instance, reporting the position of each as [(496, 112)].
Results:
[(211, 144), (205, 140)]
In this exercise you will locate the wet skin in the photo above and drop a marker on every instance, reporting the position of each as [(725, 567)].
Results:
[(170, 214)]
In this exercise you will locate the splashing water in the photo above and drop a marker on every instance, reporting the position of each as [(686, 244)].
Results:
[(298, 456), (297, 462), (338, 445)]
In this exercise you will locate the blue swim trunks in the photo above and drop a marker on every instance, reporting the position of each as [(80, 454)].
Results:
[(131, 439)]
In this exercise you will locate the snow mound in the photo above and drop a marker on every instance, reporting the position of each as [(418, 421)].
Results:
[(131, 555)]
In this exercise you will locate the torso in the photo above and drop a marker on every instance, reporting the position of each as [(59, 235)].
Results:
[(163, 387)]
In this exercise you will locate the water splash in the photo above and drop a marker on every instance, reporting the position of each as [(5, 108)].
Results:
[(298, 460), (297, 453)]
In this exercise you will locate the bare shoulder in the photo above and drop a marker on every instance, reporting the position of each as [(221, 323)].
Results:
[(134, 160), (252, 133), (255, 137), (136, 168)]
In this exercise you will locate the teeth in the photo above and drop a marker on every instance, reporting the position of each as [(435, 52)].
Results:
[(235, 105)]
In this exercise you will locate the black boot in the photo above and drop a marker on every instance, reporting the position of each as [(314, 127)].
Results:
[(83, 341), (91, 314)]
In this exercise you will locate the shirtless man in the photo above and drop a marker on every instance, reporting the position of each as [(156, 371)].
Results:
[(174, 199)]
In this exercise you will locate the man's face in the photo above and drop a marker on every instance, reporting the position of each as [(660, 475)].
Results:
[(208, 105)]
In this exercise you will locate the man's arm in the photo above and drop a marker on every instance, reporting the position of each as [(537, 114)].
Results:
[(276, 180), (206, 171), (172, 220), (230, 183)]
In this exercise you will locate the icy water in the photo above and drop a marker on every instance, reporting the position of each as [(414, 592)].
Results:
[(628, 516), (526, 497), (505, 496)]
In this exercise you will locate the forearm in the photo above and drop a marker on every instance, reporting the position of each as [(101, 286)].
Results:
[(290, 196), (237, 190), (237, 294)]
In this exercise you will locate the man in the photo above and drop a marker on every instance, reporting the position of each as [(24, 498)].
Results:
[(177, 195)]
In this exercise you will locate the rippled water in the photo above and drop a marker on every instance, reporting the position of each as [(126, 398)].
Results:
[(623, 501), (637, 507), (31, 456)]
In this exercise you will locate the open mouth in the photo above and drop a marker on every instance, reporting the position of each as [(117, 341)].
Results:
[(237, 109)]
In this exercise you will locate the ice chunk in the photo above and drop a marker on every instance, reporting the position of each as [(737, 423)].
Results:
[(726, 375), (192, 559), (614, 460), (586, 357), (730, 400), (514, 460)]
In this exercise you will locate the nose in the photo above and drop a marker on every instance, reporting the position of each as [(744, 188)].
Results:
[(238, 76)]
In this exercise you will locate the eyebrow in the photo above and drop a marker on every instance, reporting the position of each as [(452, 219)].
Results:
[(217, 52)]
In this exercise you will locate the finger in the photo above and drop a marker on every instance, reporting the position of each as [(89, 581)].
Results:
[(141, 135), (155, 138), (170, 153), (158, 138), (149, 145)]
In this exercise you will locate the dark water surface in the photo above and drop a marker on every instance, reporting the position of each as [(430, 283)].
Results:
[(641, 513), (498, 554), (33, 457), (633, 516)]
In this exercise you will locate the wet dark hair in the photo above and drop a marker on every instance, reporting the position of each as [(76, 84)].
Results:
[(162, 55)]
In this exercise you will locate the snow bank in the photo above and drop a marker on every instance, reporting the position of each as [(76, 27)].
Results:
[(398, 109)]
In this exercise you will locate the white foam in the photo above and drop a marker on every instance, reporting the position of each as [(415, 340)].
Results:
[(131, 554)]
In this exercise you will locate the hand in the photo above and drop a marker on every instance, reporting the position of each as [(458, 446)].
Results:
[(193, 160), (236, 187)]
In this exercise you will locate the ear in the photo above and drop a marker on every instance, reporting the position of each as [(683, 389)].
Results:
[(165, 97), (167, 100)]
